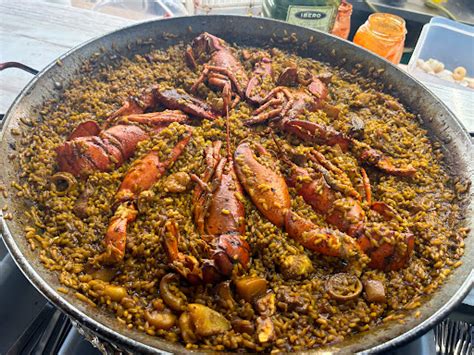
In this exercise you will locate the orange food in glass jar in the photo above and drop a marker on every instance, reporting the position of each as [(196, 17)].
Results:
[(383, 34)]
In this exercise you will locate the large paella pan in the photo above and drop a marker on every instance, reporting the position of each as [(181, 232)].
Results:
[(227, 183)]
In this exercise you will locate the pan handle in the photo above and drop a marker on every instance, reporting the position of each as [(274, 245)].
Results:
[(16, 65)]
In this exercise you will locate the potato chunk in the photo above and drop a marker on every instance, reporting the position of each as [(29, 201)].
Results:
[(207, 321), (251, 287), (265, 330), (374, 291)]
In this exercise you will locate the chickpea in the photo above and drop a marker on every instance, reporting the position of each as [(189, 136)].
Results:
[(425, 67), (435, 65), (459, 73)]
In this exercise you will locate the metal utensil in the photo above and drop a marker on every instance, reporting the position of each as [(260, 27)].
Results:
[(454, 337)]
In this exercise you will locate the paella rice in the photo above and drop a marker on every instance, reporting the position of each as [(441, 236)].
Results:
[(288, 296)]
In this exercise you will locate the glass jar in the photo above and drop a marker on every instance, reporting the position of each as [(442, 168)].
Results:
[(383, 34)]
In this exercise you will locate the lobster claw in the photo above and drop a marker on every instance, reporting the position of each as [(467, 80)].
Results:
[(231, 249), (270, 195), (186, 265), (347, 215), (387, 256), (116, 235), (266, 188), (320, 134), (156, 119), (135, 105), (325, 241)]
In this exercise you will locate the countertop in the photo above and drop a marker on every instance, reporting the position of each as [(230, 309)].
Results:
[(35, 32)]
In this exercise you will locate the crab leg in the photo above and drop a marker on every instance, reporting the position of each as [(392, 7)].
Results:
[(367, 188), (272, 102), (169, 98), (348, 189), (346, 214), (264, 116), (275, 97), (217, 76), (371, 156)]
